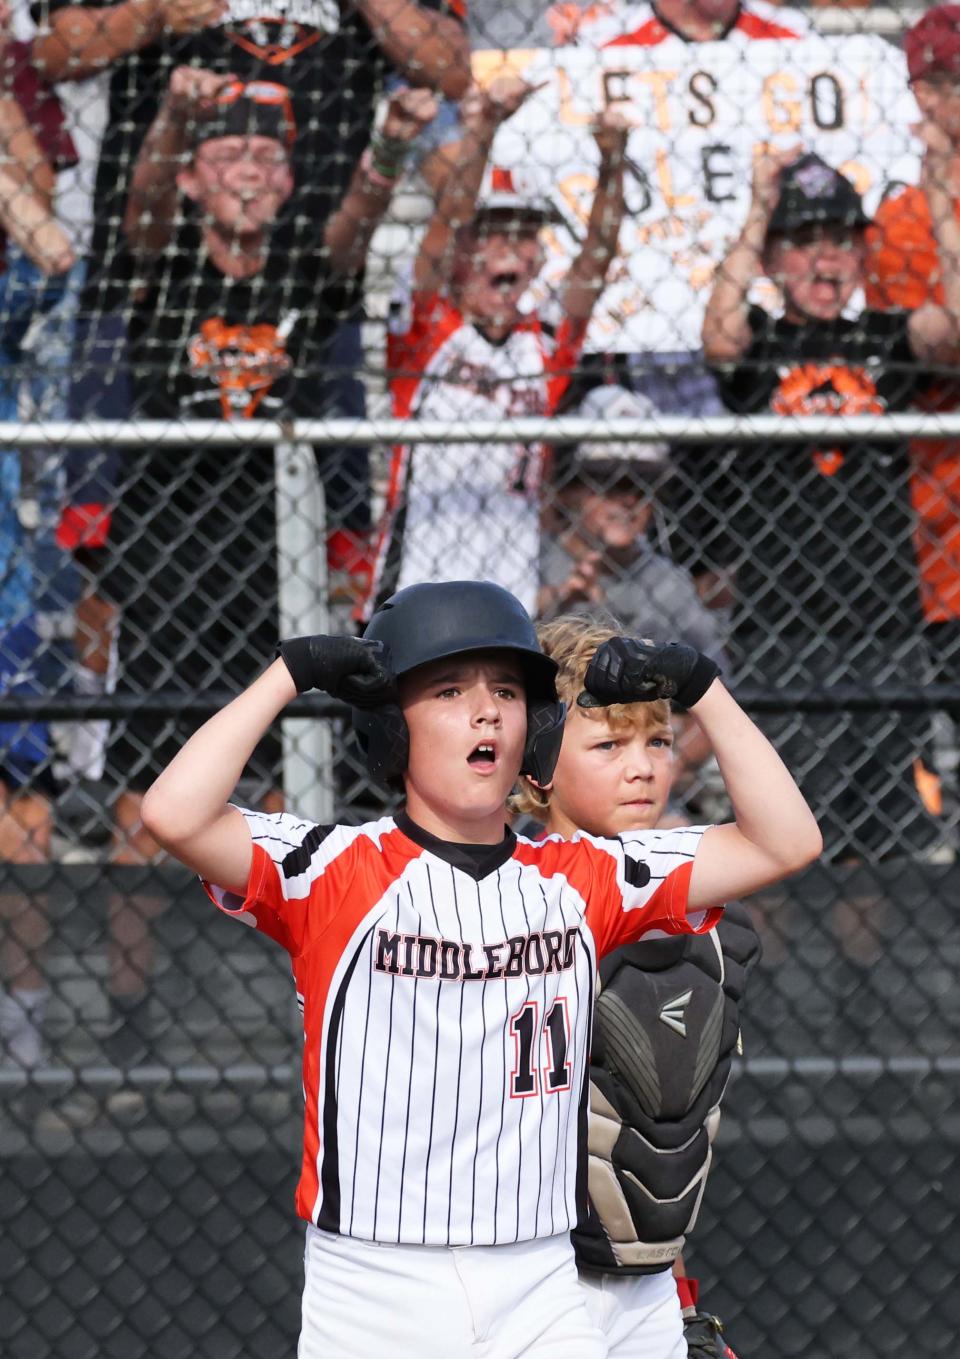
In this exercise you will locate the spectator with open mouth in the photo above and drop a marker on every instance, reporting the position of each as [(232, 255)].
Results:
[(227, 331), (825, 571), (462, 347)]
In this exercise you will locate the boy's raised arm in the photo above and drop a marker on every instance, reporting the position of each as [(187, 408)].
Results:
[(80, 40), (429, 46), (726, 328), (775, 833), (587, 276), (350, 229), (935, 330), (151, 209), (187, 810), (481, 113)]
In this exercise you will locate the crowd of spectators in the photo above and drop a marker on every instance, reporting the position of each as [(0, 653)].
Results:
[(248, 156)]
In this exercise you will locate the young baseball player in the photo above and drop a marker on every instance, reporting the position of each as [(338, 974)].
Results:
[(649, 1142), (447, 967)]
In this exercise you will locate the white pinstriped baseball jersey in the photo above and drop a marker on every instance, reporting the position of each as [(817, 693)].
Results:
[(468, 511), (448, 995)]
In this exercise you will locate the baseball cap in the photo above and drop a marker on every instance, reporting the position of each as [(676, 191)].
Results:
[(507, 191), (932, 45), (813, 192), (257, 108), (605, 463)]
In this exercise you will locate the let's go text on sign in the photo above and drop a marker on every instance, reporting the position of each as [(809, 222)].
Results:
[(698, 112)]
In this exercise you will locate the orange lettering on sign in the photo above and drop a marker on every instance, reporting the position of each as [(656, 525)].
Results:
[(665, 180), (660, 82), (568, 114), (782, 114)]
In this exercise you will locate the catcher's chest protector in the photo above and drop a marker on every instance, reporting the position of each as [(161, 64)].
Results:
[(666, 1026)]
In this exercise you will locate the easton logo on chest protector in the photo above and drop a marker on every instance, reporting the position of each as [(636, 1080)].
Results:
[(672, 1013)]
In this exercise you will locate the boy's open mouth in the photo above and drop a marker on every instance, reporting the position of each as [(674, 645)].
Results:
[(824, 283), (483, 756)]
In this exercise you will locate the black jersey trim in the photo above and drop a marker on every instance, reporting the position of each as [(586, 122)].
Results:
[(298, 860), (477, 861), (328, 1219), (390, 571), (635, 871), (583, 1108)]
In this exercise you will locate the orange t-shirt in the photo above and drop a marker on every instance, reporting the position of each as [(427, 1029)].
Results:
[(904, 271)]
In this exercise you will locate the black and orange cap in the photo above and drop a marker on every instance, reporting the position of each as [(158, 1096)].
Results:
[(255, 108)]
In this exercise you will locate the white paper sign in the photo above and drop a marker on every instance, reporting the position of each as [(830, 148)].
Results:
[(698, 111)]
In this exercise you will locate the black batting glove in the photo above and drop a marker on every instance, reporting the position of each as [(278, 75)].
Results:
[(349, 668), (625, 670)]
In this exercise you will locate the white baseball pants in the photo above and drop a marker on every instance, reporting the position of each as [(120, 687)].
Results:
[(639, 1315), (364, 1299)]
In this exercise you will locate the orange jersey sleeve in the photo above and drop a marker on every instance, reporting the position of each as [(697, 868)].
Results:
[(903, 266), (634, 884), (563, 362), (302, 878), (903, 270)]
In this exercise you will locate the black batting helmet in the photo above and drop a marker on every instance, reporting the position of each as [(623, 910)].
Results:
[(424, 623)]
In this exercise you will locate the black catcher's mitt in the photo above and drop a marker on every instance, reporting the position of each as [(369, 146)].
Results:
[(704, 1336)]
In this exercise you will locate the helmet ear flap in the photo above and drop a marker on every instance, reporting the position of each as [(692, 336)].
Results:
[(545, 722), (384, 738)]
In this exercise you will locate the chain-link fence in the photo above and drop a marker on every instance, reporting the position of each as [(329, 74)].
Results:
[(657, 366)]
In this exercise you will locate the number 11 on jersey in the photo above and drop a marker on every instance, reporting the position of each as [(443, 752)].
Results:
[(552, 1040)]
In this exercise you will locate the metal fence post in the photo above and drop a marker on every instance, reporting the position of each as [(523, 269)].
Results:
[(302, 589)]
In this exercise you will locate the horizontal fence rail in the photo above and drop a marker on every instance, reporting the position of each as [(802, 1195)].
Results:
[(790, 698), (253, 1075), (885, 428)]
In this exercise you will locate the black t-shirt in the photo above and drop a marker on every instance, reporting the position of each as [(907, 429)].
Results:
[(824, 536), (204, 346), (321, 50)]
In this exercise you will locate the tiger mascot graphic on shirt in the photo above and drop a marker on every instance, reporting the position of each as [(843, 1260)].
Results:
[(831, 388), (244, 361)]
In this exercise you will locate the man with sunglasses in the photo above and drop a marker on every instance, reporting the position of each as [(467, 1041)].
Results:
[(334, 59), (223, 329)]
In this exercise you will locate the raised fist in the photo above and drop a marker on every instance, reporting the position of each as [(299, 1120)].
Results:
[(611, 132), (625, 670), (486, 107), (193, 91), (769, 163), (408, 113), (349, 668)]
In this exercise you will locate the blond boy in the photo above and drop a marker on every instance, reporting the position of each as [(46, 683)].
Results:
[(667, 1005)]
